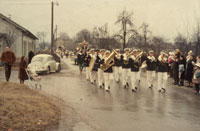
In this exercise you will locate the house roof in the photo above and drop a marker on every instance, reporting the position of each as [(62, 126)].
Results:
[(27, 32)]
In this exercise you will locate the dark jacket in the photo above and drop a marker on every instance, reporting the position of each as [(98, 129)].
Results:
[(126, 66), (135, 66), (22, 70), (162, 67), (87, 60), (80, 58), (151, 65), (8, 57), (118, 62), (189, 70), (30, 56)]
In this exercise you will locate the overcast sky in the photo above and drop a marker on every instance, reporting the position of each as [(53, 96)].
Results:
[(165, 17)]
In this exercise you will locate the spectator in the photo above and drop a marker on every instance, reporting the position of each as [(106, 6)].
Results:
[(8, 58), (196, 77), (22, 70), (80, 60), (182, 65), (30, 56), (189, 70)]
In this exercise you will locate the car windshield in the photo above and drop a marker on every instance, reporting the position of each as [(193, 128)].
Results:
[(37, 59)]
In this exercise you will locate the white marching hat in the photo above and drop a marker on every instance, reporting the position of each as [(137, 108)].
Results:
[(107, 52), (117, 50), (102, 50), (92, 50), (151, 51), (134, 50), (127, 49)]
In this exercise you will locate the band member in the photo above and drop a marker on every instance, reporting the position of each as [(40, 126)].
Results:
[(118, 64), (134, 65), (140, 64), (108, 74), (162, 65), (100, 72), (151, 67), (93, 68), (125, 67), (87, 63), (80, 60)]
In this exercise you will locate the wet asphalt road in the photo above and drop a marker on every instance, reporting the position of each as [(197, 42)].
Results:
[(121, 110)]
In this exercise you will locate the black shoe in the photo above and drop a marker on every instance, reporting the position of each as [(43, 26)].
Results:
[(92, 82), (103, 84), (159, 90), (139, 81), (109, 87), (150, 87), (124, 86), (164, 90), (107, 90), (100, 87), (133, 90), (127, 84)]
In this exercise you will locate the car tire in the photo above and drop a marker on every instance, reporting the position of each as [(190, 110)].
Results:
[(49, 70), (59, 69)]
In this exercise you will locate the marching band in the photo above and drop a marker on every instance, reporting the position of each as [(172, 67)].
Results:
[(104, 67)]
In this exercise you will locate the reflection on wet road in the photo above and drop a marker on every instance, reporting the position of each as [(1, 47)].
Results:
[(122, 110)]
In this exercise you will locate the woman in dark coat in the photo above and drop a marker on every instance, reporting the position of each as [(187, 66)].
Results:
[(182, 66), (175, 68), (189, 71), (22, 70)]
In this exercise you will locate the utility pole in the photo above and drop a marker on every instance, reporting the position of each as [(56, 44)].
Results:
[(52, 26)]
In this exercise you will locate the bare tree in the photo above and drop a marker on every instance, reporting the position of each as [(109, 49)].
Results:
[(42, 39), (63, 36), (145, 34), (125, 19), (83, 35), (11, 36)]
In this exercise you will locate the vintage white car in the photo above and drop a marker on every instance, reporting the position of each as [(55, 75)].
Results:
[(44, 63)]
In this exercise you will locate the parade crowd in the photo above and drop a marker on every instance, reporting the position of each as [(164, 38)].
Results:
[(103, 66)]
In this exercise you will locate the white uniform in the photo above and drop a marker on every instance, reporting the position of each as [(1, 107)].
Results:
[(162, 74), (117, 69), (108, 77), (134, 76), (93, 73), (125, 72), (100, 74), (151, 73)]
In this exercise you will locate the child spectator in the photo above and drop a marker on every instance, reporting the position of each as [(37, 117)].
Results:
[(22, 70), (196, 77)]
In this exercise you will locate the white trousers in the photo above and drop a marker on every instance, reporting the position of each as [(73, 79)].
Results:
[(87, 72), (100, 77), (93, 75), (150, 77), (139, 74), (117, 73), (125, 75), (134, 79), (162, 80), (108, 79)]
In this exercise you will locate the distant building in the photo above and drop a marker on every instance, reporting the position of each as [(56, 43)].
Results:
[(24, 40)]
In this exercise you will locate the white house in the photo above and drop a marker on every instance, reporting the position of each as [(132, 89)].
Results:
[(23, 39)]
